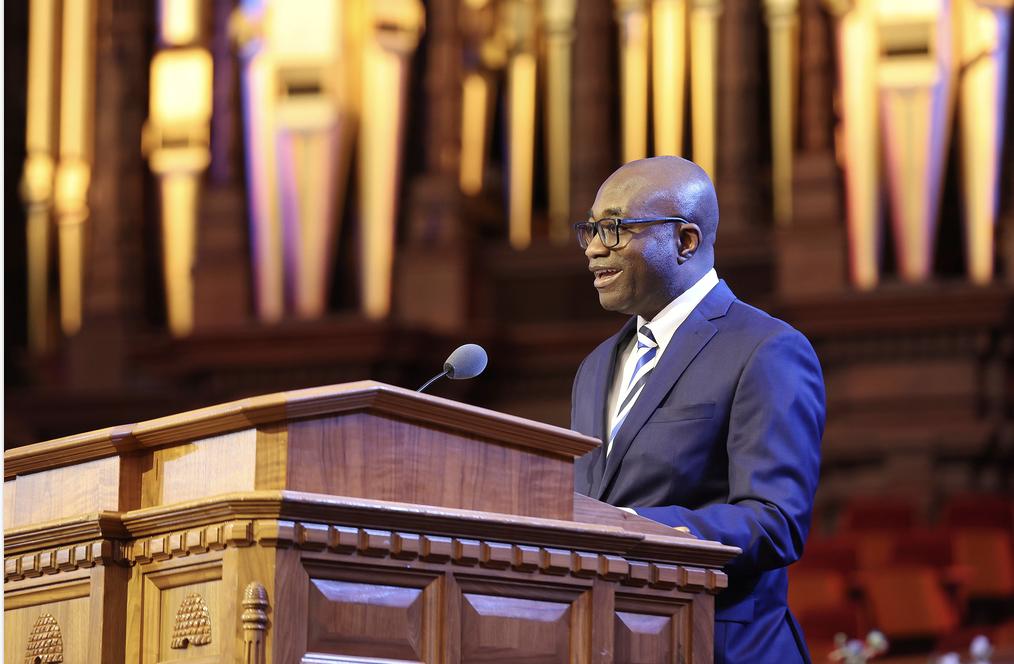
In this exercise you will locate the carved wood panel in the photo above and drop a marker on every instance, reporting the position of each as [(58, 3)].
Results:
[(361, 612), (504, 621), (178, 473), (499, 629), (183, 614), (651, 632), (87, 487), (366, 619), (49, 632), (643, 638)]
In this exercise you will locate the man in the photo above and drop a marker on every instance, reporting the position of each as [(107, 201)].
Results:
[(710, 411)]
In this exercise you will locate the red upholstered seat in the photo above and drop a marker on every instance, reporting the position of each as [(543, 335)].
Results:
[(874, 524), (822, 595), (982, 534), (908, 601)]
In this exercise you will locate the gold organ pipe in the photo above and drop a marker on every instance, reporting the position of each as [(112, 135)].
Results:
[(558, 22), (246, 26), (73, 173), (305, 49), (783, 29), (349, 85), (71, 196), (41, 83), (669, 73), (704, 81), (309, 159), (914, 84), (37, 237), (179, 22), (632, 16), (521, 88), (378, 160), (179, 194), (37, 178), (984, 36), (858, 145), (521, 91), (176, 139), (348, 88), (484, 53), (475, 93), (392, 36)]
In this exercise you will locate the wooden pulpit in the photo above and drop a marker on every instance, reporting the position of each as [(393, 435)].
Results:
[(350, 523)]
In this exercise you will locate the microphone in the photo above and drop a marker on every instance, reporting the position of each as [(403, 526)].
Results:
[(466, 361)]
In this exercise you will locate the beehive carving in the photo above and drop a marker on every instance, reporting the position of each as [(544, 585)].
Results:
[(193, 623), (45, 644)]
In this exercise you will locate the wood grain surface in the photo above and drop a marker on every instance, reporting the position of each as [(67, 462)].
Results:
[(297, 404)]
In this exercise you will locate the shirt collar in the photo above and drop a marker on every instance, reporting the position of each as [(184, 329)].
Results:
[(666, 322)]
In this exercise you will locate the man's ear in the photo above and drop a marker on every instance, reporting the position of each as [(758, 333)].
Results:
[(688, 237)]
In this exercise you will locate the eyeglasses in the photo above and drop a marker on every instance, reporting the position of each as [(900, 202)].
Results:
[(608, 229)]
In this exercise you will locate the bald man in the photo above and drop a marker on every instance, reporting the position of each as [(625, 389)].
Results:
[(710, 411)]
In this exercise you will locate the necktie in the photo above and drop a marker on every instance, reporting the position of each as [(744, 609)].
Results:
[(647, 349)]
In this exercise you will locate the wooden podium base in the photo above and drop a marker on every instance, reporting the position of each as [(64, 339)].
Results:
[(281, 575)]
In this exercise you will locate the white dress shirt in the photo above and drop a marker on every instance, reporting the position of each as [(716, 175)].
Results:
[(662, 326)]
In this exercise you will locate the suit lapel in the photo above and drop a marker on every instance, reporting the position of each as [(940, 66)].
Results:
[(604, 373), (690, 339)]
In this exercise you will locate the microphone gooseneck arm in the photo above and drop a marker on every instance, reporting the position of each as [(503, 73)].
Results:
[(432, 380)]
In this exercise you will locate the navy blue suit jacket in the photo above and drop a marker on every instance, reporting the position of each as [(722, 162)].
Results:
[(724, 439)]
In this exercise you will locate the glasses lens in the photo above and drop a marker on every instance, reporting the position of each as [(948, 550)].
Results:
[(585, 231), (609, 232)]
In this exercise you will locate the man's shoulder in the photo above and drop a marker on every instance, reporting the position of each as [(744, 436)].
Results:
[(757, 324)]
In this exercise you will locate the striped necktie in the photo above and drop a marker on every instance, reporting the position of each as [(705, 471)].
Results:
[(647, 349)]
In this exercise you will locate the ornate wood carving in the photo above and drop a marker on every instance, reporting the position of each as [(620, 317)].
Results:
[(458, 551), (193, 623), (373, 543), (45, 644), (64, 559), (278, 514), (255, 623)]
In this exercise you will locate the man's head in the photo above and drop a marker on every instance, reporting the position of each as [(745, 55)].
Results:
[(653, 262)]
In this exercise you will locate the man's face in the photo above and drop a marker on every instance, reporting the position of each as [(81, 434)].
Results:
[(640, 275)]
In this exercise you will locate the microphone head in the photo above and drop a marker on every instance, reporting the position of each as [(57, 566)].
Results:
[(466, 361)]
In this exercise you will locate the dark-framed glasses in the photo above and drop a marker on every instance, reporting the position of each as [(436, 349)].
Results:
[(608, 229)]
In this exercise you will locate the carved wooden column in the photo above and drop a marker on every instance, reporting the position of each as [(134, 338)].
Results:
[(811, 252), (255, 623)]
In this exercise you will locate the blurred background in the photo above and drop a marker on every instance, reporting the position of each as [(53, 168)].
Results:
[(206, 200)]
